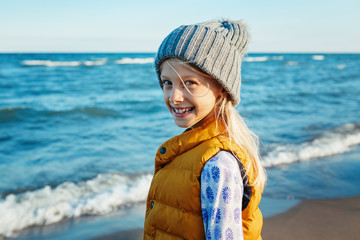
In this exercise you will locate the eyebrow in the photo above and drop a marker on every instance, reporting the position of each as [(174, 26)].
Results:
[(163, 76), (185, 76)]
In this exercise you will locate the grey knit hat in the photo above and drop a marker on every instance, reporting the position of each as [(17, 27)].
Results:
[(216, 47)]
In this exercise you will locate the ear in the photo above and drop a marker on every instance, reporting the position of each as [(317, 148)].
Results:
[(223, 92)]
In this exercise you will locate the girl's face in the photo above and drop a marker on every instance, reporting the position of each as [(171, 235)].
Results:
[(189, 96)]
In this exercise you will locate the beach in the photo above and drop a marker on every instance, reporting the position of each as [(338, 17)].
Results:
[(330, 219), (316, 219)]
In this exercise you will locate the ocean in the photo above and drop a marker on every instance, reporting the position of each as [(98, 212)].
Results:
[(79, 132)]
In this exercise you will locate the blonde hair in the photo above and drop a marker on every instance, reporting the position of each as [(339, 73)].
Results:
[(236, 129), (238, 132)]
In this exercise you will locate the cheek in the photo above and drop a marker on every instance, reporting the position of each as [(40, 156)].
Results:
[(210, 103)]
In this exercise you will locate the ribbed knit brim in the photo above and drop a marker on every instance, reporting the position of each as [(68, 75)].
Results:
[(216, 47)]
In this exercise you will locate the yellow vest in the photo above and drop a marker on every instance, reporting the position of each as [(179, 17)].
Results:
[(173, 208)]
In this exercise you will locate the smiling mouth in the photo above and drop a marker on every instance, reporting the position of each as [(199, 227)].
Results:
[(182, 110)]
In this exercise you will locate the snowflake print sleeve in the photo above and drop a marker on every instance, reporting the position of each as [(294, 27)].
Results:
[(221, 197)]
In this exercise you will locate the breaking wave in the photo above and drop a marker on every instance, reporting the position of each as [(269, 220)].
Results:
[(292, 63), (333, 142), (134, 60), (50, 63), (318, 57), (49, 205), (263, 59), (341, 66), (256, 59)]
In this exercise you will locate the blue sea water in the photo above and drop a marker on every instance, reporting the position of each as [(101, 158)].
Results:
[(78, 132)]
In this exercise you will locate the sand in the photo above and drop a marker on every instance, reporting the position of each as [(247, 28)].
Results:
[(316, 219), (135, 234), (311, 219)]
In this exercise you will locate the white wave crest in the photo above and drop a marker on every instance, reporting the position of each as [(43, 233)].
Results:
[(256, 59), (333, 142), (318, 57), (263, 59), (135, 60), (49, 205), (278, 58), (292, 63), (341, 66), (50, 63), (95, 62)]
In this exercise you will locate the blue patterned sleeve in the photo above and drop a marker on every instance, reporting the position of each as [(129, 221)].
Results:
[(221, 197)]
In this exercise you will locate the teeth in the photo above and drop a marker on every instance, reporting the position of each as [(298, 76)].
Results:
[(182, 110)]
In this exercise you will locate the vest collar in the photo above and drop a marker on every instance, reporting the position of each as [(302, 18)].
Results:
[(186, 141)]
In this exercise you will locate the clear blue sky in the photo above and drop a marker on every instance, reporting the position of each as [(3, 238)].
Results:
[(139, 25)]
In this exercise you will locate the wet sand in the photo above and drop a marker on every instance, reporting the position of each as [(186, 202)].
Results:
[(310, 219)]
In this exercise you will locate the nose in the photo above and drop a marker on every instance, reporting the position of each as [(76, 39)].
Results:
[(176, 95)]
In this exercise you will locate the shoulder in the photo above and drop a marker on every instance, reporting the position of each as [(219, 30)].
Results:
[(222, 163), (223, 159)]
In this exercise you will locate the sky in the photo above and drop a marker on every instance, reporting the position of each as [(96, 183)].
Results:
[(139, 26)]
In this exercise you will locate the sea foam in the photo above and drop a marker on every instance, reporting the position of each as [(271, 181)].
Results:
[(292, 63), (332, 142), (50, 63), (341, 66), (134, 60), (318, 57), (256, 59), (263, 59), (278, 58), (49, 205)]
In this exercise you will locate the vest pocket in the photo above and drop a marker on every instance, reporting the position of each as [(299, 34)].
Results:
[(161, 235)]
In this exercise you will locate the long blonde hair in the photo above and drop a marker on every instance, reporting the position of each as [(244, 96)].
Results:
[(238, 132), (236, 129)]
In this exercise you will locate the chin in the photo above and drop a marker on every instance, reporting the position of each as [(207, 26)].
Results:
[(184, 124)]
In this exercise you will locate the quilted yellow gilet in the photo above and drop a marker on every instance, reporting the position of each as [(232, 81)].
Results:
[(173, 208)]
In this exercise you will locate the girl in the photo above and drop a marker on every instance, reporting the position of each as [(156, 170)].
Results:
[(208, 180)]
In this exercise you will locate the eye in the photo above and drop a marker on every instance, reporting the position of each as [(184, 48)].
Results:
[(188, 83), (166, 82)]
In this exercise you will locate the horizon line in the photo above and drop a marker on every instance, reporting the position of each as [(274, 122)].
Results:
[(150, 52)]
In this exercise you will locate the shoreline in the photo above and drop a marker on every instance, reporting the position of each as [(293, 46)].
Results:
[(334, 218)]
